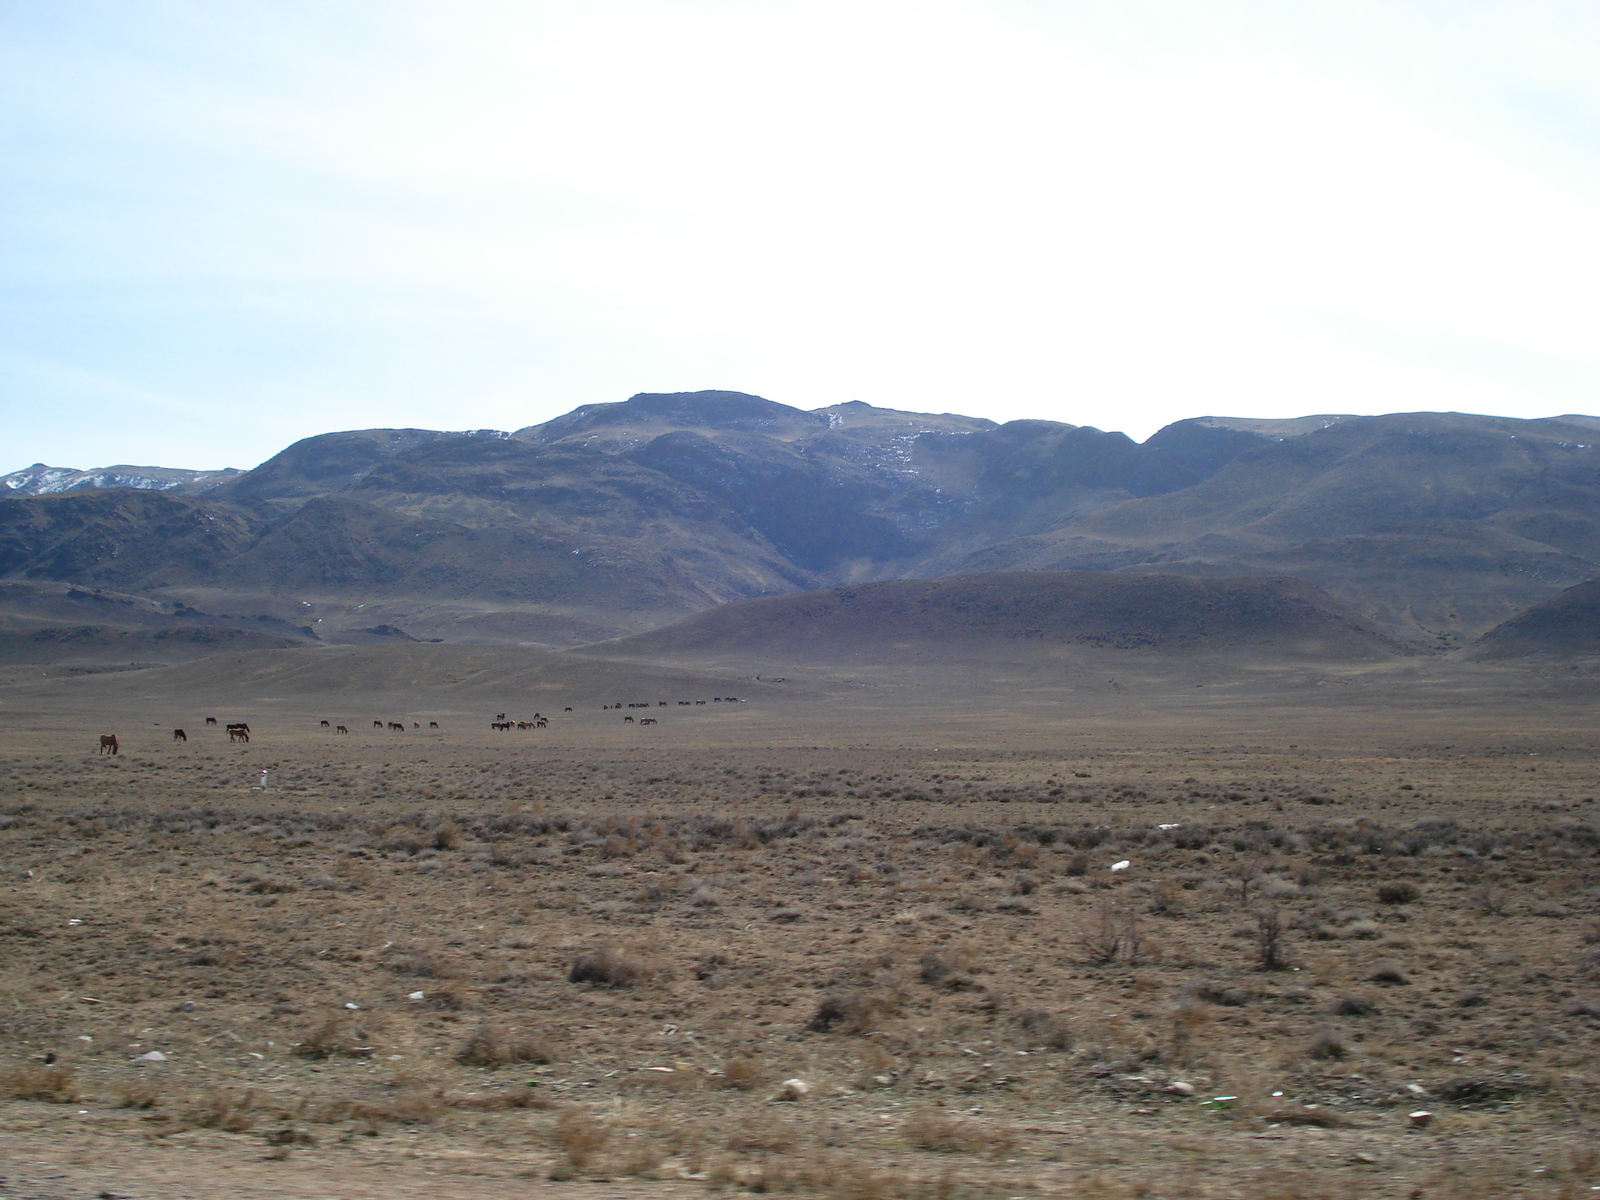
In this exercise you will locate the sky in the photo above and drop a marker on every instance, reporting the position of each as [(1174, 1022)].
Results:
[(226, 226)]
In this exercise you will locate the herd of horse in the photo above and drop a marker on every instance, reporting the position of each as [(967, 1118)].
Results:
[(239, 731)]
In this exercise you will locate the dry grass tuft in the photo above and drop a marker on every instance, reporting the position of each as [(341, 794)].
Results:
[(335, 1037), (607, 967), (220, 1108), (927, 1129), (742, 1074), (1397, 893), (1045, 1029), (852, 1012), (581, 1136), (51, 1084), (491, 1046), (1327, 1044)]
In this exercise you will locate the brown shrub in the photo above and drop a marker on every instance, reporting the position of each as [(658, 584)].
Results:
[(607, 967), (1397, 893), (930, 1130), (763, 1136), (137, 1093), (851, 1012), (51, 1084), (490, 1046), (1328, 1043), (742, 1074), (335, 1038), (220, 1108), (581, 1135), (447, 836), (1272, 951), (1045, 1029)]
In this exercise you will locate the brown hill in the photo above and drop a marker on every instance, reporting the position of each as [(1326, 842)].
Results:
[(1164, 613), (1439, 522), (618, 518), (1566, 626)]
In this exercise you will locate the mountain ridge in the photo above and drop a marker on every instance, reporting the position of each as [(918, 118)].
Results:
[(618, 518)]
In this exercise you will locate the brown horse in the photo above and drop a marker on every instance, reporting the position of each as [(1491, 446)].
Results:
[(340, 729), (179, 735), (108, 743)]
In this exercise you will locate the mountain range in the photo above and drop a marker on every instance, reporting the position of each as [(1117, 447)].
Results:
[(616, 519)]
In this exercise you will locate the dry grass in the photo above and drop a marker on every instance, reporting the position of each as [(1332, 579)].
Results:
[(927, 971), (493, 1046), (927, 1129), (29, 1081)]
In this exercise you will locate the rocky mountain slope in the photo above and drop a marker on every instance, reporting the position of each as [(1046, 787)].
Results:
[(618, 518), (42, 480)]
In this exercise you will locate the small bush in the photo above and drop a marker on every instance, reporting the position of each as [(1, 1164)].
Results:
[(220, 1108), (1272, 937), (1397, 893), (493, 1047), (850, 1012), (1328, 1044), (447, 836), (742, 1074), (582, 1136), (335, 1038), (51, 1084), (929, 1130), (607, 968), (1355, 1006), (1045, 1029), (1490, 900)]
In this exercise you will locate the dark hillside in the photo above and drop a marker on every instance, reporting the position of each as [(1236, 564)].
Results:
[(1044, 608)]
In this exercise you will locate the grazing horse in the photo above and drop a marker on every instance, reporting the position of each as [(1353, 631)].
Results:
[(324, 724), (433, 724), (238, 733), (211, 720), (566, 710), (377, 724), (340, 729), (499, 716), (108, 743), (648, 721), (397, 725), (629, 720), (179, 735)]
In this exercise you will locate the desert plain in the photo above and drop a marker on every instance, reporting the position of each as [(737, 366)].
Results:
[(856, 927)]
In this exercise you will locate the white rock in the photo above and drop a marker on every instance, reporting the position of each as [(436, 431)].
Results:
[(1174, 825), (1416, 1089), (1179, 1088), (1121, 866), (352, 1007), (415, 995), (1420, 1118), (152, 1056), (792, 1089)]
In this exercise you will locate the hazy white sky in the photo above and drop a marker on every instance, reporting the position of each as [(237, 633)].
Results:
[(231, 223)]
